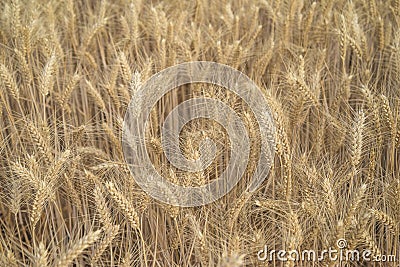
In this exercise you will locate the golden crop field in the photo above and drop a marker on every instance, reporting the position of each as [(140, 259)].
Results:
[(329, 71)]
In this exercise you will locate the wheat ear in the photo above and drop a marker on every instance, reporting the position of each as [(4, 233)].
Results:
[(47, 76), (9, 82), (385, 219), (41, 259), (357, 140), (64, 97), (124, 205), (98, 99), (40, 141), (38, 202), (68, 256), (102, 208), (110, 234), (354, 206)]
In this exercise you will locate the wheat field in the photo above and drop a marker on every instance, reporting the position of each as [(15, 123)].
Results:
[(329, 69)]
